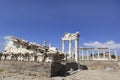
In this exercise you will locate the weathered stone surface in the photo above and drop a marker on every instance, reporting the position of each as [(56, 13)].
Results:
[(26, 68), (100, 65), (39, 69), (109, 68)]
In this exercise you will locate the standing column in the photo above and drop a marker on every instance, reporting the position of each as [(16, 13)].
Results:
[(44, 43), (76, 50), (63, 46), (104, 54), (70, 48), (93, 54), (109, 55), (98, 54), (87, 55), (82, 55), (116, 55), (49, 44)]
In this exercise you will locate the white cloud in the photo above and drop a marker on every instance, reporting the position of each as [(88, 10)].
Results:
[(110, 44), (3, 42), (7, 39)]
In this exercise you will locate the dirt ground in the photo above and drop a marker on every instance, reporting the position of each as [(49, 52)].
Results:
[(92, 75), (80, 75)]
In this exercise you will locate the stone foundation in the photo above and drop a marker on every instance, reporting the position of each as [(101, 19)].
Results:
[(26, 68), (99, 65), (40, 69)]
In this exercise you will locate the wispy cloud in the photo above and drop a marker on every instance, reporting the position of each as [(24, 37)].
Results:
[(3, 42), (110, 44), (7, 39)]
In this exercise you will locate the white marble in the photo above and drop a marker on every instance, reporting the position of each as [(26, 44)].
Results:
[(9, 57), (49, 59), (71, 37), (29, 51), (32, 58)]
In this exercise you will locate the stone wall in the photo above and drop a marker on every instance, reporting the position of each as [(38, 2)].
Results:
[(26, 68), (40, 69), (100, 65)]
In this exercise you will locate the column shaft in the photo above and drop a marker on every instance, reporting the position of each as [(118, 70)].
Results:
[(63, 46), (76, 50), (98, 54), (87, 55), (70, 48), (104, 54), (109, 55), (116, 55), (93, 54), (82, 55)]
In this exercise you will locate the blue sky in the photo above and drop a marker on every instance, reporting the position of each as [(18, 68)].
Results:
[(98, 21)]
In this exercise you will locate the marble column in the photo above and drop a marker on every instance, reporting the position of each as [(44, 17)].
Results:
[(76, 50), (87, 55), (70, 48), (109, 55), (82, 55), (116, 55), (44, 43), (50, 45), (93, 54), (63, 46), (98, 54), (104, 54)]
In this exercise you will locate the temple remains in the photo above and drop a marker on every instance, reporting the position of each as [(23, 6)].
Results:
[(21, 50), (76, 54), (24, 57), (70, 37)]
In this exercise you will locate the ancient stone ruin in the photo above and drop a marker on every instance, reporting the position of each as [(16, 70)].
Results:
[(21, 50), (29, 58)]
